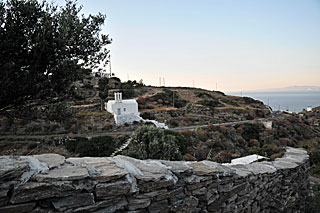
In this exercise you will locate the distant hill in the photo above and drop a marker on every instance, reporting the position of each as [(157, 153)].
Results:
[(293, 88)]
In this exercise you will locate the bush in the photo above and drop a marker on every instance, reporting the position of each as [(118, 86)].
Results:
[(58, 112), (150, 142), (210, 103), (102, 146), (202, 135), (314, 157)]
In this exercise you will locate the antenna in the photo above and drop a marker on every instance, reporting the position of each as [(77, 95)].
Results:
[(128, 77), (216, 86), (163, 82), (193, 83), (160, 81)]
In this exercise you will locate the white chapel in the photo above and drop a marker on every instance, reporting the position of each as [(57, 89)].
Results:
[(124, 111)]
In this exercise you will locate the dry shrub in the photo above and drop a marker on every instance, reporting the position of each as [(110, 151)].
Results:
[(141, 100), (202, 135), (108, 125), (284, 141), (4, 121), (160, 101), (254, 142), (189, 157), (200, 154), (187, 132), (223, 157), (185, 118), (150, 106), (151, 99), (166, 102)]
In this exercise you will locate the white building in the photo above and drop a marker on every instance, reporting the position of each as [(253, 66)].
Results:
[(309, 108), (124, 111)]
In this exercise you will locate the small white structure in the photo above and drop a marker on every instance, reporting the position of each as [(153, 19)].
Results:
[(309, 108), (124, 111), (267, 124)]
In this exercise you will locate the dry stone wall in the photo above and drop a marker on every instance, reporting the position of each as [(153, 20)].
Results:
[(51, 183)]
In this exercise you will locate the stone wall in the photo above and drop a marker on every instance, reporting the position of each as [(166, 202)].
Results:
[(51, 183)]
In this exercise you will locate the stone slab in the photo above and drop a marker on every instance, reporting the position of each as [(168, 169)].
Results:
[(36, 191), (12, 167), (101, 169), (20, 208), (52, 160), (77, 200), (112, 189), (61, 174)]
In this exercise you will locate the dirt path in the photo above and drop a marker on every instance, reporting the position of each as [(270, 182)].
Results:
[(119, 132)]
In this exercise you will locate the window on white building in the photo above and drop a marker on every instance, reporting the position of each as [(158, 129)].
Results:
[(124, 109)]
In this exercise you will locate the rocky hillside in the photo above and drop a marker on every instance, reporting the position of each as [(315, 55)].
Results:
[(84, 111)]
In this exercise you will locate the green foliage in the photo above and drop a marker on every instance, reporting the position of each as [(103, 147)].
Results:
[(248, 100), (230, 102), (44, 48), (250, 131), (150, 142), (315, 157), (314, 202), (59, 112), (210, 103), (102, 146), (169, 96)]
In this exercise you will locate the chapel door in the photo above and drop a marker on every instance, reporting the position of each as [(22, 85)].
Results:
[(119, 111)]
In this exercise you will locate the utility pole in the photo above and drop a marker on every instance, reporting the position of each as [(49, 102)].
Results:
[(193, 83), (216, 86), (160, 81), (128, 76), (173, 98), (110, 65), (164, 84)]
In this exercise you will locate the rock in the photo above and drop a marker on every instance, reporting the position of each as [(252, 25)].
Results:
[(201, 168), (73, 201), (36, 191), (20, 208), (134, 204), (160, 206), (261, 168), (169, 194), (101, 169), (151, 194), (52, 160), (61, 174), (112, 189), (35, 167), (110, 205), (113, 208), (186, 205), (179, 168), (12, 167), (151, 174)]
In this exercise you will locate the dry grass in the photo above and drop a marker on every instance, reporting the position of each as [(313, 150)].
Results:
[(231, 107), (94, 114), (84, 106)]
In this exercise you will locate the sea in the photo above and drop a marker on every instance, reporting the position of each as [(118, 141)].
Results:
[(292, 101)]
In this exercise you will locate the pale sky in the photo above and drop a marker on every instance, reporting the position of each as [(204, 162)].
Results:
[(238, 44)]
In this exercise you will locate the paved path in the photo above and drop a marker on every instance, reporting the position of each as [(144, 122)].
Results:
[(119, 132)]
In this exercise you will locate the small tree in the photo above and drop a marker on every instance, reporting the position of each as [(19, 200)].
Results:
[(150, 142), (44, 48)]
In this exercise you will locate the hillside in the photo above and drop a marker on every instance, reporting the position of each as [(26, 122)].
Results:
[(84, 113)]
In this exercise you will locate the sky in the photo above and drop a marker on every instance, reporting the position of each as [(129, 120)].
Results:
[(231, 45)]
